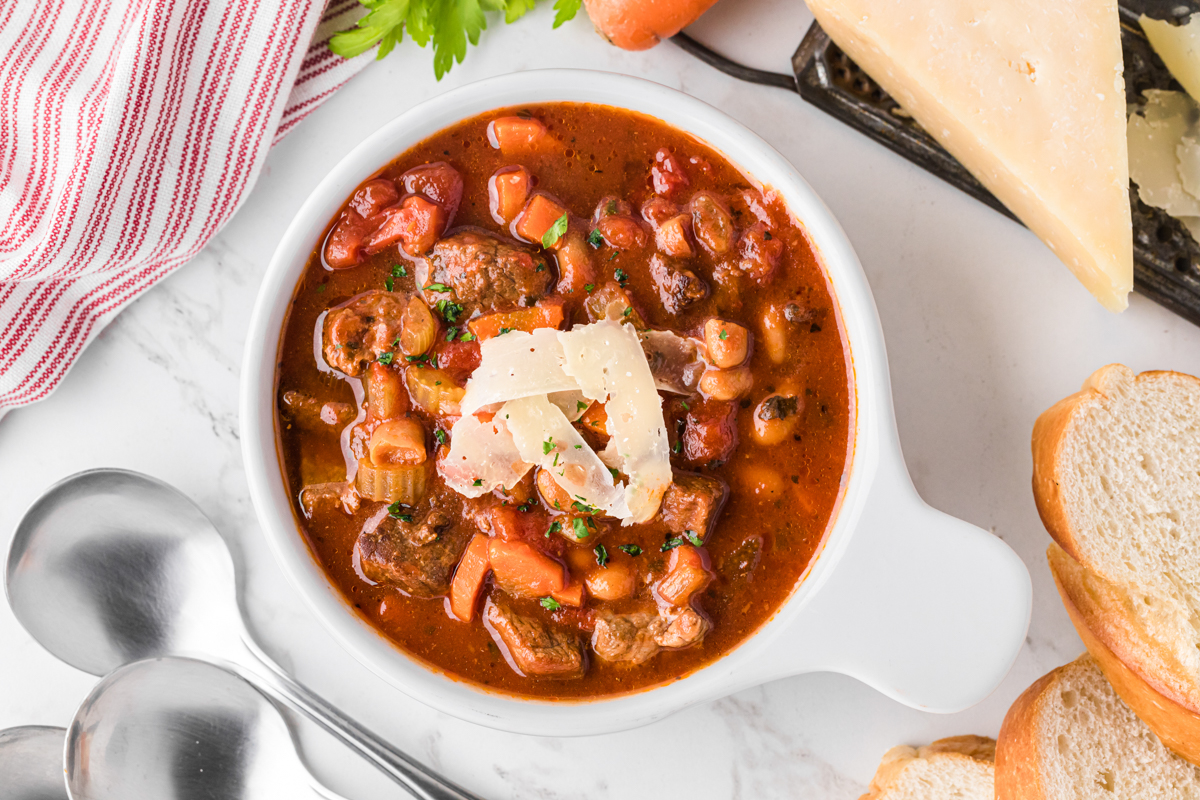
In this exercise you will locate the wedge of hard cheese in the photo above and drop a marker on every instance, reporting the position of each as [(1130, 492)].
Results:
[(1029, 96)]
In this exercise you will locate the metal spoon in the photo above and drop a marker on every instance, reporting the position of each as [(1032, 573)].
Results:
[(110, 567), (182, 729), (31, 764)]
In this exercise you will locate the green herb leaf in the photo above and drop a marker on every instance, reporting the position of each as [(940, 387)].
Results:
[(399, 271), (504, 331), (621, 275), (601, 555), (478, 482), (685, 405), (550, 604), (631, 549), (437, 287), (565, 10), (580, 405), (694, 538), (628, 310), (581, 531), (555, 527), (615, 473), (555, 232), (671, 543), (386, 19), (588, 287), (389, 283), (451, 333), (677, 447), (440, 435), (595, 239), (399, 511), (724, 335), (467, 337), (547, 446), (386, 358)]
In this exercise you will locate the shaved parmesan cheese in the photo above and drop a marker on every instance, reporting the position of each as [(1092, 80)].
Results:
[(515, 365), (482, 457), (1179, 48), (544, 437), (606, 359), (1164, 160), (573, 404)]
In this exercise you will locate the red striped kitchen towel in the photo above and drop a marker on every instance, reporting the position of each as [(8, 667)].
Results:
[(130, 131)]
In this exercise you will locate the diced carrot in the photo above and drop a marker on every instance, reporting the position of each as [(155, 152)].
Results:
[(546, 315), (671, 237), (523, 571), (416, 224), (686, 576), (575, 270), (595, 419), (536, 218), (572, 595), (517, 134), (508, 190), (467, 584)]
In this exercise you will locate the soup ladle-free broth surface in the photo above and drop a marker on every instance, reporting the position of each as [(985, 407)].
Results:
[(672, 236)]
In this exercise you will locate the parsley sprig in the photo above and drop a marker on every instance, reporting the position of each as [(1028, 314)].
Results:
[(448, 24)]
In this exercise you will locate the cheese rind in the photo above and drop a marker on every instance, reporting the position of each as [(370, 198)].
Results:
[(1029, 96)]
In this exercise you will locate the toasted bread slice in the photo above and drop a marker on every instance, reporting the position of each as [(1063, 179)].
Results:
[(957, 768), (1116, 477), (1070, 737)]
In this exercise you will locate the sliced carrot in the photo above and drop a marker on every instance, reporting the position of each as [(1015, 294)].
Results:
[(539, 214), (517, 134), (686, 576), (467, 584), (508, 190), (548, 315), (522, 570), (572, 595)]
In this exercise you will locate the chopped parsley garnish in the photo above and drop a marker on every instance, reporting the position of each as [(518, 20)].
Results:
[(555, 232), (398, 510), (677, 448), (450, 334), (467, 337), (504, 331), (615, 473), (478, 482), (581, 531), (547, 446), (601, 555), (724, 335), (421, 357), (694, 538), (555, 527), (630, 549), (440, 435), (671, 543), (580, 405), (386, 358), (437, 287), (595, 239), (540, 267), (555, 464), (399, 271), (621, 275), (449, 311), (584, 507), (628, 310), (588, 287), (578, 447), (685, 405), (389, 283), (550, 604)]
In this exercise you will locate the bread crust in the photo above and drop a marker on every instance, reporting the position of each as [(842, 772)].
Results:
[(1106, 634), (1018, 756), (954, 748)]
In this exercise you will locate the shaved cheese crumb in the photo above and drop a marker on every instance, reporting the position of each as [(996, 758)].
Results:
[(606, 359), (482, 457), (544, 436), (516, 365)]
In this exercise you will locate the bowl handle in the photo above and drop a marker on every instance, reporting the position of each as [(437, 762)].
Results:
[(927, 609)]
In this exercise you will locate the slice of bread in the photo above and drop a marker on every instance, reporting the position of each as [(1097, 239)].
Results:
[(1116, 477), (958, 768), (1070, 737)]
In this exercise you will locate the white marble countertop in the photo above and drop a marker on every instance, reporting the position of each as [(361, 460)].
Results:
[(984, 326)]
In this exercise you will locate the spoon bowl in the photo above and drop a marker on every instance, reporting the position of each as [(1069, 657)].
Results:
[(183, 729), (31, 762)]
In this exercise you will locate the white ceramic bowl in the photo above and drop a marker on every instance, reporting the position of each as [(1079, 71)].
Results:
[(927, 609)]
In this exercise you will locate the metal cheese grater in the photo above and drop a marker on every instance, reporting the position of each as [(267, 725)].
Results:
[(1166, 258)]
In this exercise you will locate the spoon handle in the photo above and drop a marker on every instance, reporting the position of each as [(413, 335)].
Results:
[(418, 779)]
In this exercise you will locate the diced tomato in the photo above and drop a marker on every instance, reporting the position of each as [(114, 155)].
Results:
[(760, 252), (572, 595), (469, 577), (687, 575), (539, 214), (622, 232), (343, 248), (667, 172), (374, 196), (508, 190), (460, 359), (711, 432), (439, 182), (672, 236), (416, 224), (544, 315), (523, 570), (517, 134)]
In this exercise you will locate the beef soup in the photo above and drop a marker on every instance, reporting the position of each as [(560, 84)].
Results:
[(564, 402)]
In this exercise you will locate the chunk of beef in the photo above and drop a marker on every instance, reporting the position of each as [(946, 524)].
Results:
[(637, 637), (416, 557), (534, 648), (710, 433), (319, 498), (359, 331), (487, 272), (627, 637), (677, 286), (693, 503), (675, 361), (310, 414)]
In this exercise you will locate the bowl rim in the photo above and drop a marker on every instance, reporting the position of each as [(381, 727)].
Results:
[(860, 329)]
